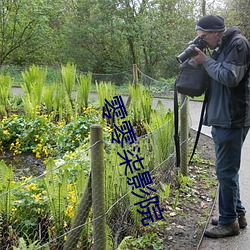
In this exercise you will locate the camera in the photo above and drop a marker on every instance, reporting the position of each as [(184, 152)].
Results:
[(190, 51)]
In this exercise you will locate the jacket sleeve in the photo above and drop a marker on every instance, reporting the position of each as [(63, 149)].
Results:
[(234, 66)]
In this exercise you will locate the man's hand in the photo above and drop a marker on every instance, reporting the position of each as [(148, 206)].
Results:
[(200, 58)]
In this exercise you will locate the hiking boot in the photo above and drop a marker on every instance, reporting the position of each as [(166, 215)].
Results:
[(241, 219), (221, 231)]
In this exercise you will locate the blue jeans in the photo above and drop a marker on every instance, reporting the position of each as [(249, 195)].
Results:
[(228, 145)]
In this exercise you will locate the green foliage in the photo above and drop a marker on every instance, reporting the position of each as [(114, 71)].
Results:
[(48, 98), (29, 245), (103, 36), (34, 81), (161, 126), (83, 91), (164, 191), (141, 103), (184, 181), (43, 137), (105, 90), (115, 182), (15, 71), (68, 74), (5, 90), (30, 206), (56, 184), (147, 241), (6, 184), (23, 25)]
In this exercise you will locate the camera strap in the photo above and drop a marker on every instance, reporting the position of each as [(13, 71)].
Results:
[(199, 127), (176, 127)]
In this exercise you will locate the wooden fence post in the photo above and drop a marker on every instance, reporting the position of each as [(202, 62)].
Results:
[(135, 82), (98, 194), (135, 74)]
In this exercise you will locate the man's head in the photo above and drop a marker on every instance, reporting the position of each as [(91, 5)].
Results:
[(211, 28)]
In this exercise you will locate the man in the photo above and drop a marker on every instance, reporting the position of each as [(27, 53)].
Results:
[(228, 112)]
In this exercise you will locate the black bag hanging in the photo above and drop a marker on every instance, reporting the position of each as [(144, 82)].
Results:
[(192, 80)]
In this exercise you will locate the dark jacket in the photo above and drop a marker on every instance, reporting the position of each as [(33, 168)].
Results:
[(229, 90)]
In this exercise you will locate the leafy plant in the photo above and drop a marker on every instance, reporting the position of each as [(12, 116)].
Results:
[(105, 90), (68, 74), (83, 91), (141, 103), (34, 81), (147, 241), (161, 127), (6, 184), (5, 90), (165, 190), (184, 181), (176, 199), (22, 245), (30, 208), (48, 98), (56, 184)]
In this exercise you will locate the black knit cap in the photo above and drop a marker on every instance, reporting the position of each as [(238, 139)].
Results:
[(210, 23)]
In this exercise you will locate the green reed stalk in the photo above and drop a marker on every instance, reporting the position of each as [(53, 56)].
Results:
[(83, 91), (141, 103), (68, 74), (105, 90), (6, 184), (146, 105), (161, 126), (56, 184), (5, 90), (48, 98), (33, 85)]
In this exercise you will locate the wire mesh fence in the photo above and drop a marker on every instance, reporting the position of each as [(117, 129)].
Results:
[(57, 209)]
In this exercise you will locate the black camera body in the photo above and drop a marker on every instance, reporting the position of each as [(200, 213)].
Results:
[(190, 51)]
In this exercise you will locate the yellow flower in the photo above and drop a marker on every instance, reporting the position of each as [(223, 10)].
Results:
[(17, 152), (31, 187), (73, 199), (6, 132), (69, 211), (37, 196), (14, 209), (38, 155), (45, 151)]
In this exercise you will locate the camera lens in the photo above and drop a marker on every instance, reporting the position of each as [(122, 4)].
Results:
[(190, 50), (187, 53)]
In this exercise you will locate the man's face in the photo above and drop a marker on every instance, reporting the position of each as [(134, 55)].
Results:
[(211, 38)]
